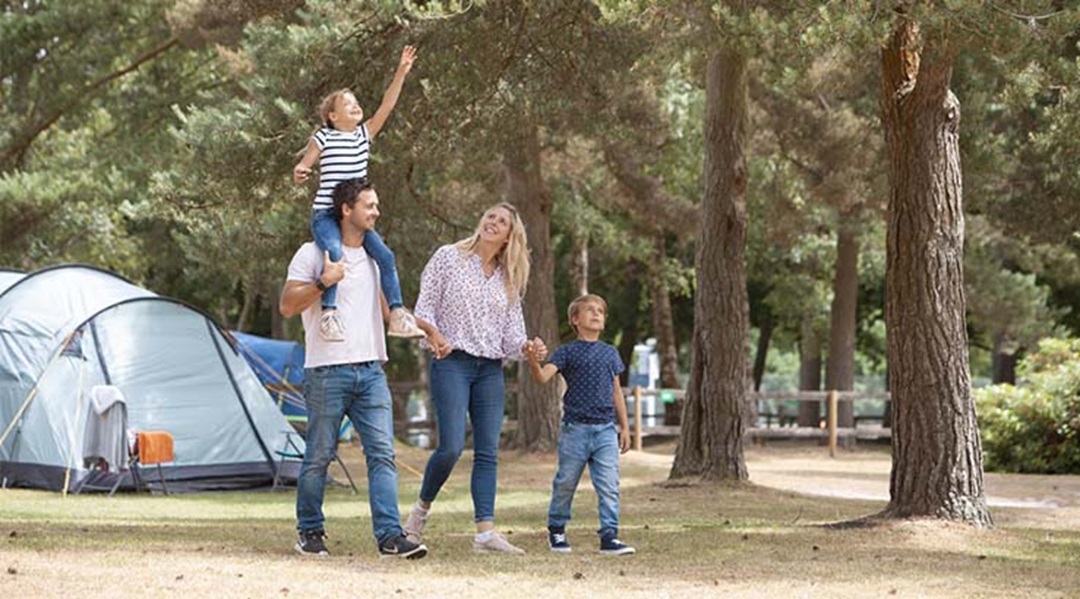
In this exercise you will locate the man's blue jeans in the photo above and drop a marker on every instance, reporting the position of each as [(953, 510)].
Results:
[(326, 230), (465, 384), (597, 446), (359, 391)]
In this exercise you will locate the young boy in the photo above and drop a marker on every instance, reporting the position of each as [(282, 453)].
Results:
[(592, 405)]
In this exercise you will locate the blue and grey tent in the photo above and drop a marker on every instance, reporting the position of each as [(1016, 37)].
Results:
[(65, 330)]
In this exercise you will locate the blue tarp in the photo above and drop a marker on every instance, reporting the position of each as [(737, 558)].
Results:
[(280, 366)]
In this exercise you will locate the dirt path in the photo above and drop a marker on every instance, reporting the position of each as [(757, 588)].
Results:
[(864, 474)]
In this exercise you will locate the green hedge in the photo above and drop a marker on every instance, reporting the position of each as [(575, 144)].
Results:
[(1035, 427)]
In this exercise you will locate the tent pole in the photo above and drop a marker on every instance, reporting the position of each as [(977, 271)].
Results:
[(78, 416), (100, 354), (37, 385), (283, 379), (239, 396)]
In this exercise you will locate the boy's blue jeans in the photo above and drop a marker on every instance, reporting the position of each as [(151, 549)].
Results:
[(597, 446), (465, 384), (359, 391), (327, 233)]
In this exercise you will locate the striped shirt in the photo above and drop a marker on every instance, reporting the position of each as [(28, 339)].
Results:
[(470, 308), (342, 155)]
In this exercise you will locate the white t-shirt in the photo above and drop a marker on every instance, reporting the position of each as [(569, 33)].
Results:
[(358, 306)]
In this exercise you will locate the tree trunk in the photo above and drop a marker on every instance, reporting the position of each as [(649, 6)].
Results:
[(664, 328), (937, 455), (809, 372), (1003, 363), (580, 275), (840, 367), (243, 320), (277, 326), (662, 322), (761, 354), (538, 407), (716, 413)]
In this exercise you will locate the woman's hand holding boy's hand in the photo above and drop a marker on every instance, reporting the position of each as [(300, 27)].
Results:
[(535, 350)]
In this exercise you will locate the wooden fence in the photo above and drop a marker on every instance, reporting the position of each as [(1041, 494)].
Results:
[(830, 431)]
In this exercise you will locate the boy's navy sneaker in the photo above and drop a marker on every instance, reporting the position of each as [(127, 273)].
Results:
[(399, 546), (557, 540), (310, 542), (613, 546)]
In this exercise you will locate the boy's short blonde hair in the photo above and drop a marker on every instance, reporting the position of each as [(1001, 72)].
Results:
[(575, 306)]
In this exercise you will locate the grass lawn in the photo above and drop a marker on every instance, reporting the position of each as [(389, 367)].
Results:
[(693, 540)]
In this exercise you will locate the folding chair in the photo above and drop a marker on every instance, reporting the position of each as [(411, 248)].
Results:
[(291, 450), (151, 448)]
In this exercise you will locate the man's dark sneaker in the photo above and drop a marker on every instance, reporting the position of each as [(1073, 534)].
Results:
[(557, 540), (399, 546), (310, 542), (613, 546)]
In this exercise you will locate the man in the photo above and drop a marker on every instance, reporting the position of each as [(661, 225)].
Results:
[(346, 378)]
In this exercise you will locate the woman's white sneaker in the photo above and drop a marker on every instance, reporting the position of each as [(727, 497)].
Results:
[(494, 542), (415, 523)]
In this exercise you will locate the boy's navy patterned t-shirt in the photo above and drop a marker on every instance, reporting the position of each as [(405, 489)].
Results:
[(590, 368)]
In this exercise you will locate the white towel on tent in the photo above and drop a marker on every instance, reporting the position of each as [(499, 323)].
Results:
[(106, 437)]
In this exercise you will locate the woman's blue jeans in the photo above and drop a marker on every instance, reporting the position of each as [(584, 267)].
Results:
[(463, 384), (360, 392), (326, 230), (595, 446)]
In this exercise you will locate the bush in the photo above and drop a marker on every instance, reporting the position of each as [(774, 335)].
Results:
[(1035, 427)]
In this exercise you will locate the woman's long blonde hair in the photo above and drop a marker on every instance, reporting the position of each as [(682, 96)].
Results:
[(513, 258)]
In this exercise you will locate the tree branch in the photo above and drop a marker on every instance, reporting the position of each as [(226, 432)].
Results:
[(14, 154)]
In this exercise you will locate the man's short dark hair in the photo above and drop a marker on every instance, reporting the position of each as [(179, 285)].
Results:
[(347, 192)]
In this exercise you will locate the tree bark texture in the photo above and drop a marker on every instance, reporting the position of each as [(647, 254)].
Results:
[(1003, 364), (277, 321), (538, 408), (243, 320), (809, 372), (840, 366), (937, 455), (662, 322), (580, 274), (761, 354), (716, 413)]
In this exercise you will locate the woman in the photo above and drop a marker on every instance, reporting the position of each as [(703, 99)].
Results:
[(471, 293)]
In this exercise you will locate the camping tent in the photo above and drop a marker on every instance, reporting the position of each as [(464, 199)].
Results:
[(280, 366), (67, 330)]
